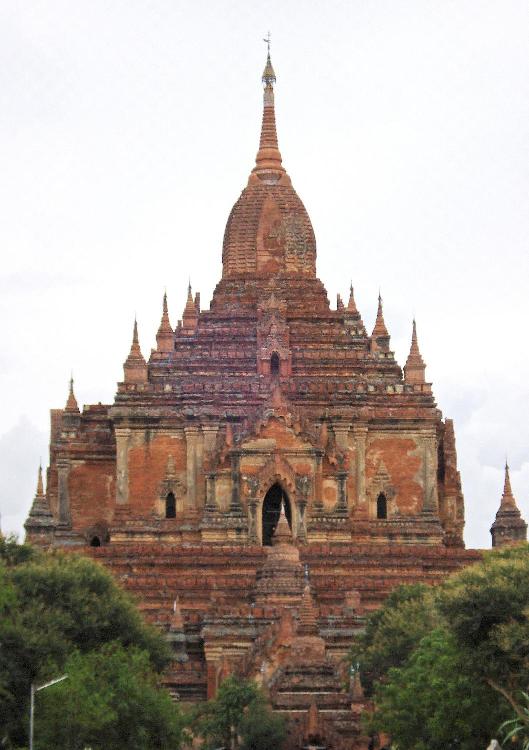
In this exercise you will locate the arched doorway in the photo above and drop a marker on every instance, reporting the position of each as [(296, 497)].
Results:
[(271, 509)]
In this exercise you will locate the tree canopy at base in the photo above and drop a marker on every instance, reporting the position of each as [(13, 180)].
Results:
[(238, 717), (447, 666), (61, 613)]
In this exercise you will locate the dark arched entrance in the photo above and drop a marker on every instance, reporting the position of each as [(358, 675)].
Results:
[(271, 510)]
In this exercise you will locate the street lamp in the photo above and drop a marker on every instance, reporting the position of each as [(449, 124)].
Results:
[(35, 689)]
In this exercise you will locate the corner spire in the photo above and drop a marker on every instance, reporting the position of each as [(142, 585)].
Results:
[(40, 485), (380, 336), (40, 523), (135, 367), (190, 314), (165, 337), (509, 526), (268, 159), (507, 499), (414, 367), (351, 305), (71, 403)]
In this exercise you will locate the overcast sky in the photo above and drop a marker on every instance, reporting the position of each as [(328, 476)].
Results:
[(128, 129)]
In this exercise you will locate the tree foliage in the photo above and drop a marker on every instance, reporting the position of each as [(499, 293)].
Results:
[(261, 728), (392, 632), (130, 712), (448, 666), (56, 607), (434, 702), (237, 716)]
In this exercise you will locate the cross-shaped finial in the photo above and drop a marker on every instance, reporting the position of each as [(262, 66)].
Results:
[(268, 41)]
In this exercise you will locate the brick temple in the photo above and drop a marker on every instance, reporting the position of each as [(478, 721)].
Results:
[(268, 475)]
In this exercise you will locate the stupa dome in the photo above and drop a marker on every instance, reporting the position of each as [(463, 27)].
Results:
[(269, 231)]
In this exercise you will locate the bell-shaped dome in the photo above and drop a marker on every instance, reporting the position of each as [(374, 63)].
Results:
[(268, 231)]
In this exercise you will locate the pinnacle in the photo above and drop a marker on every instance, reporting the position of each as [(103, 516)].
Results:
[(269, 76), (165, 330), (282, 533), (135, 351), (71, 403), (190, 314), (507, 499), (351, 305), (414, 367), (40, 486), (40, 514), (307, 616), (509, 526), (268, 159), (380, 330)]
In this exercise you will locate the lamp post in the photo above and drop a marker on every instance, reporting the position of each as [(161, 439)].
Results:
[(35, 689)]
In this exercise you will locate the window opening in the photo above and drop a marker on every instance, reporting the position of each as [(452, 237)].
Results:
[(382, 506), (170, 506)]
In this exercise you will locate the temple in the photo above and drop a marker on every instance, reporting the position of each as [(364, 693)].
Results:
[(267, 476)]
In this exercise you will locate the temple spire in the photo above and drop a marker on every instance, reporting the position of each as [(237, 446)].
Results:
[(507, 499), (509, 526), (351, 305), (40, 485), (380, 335), (135, 367), (40, 524), (190, 314), (71, 403), (268, 159), (165, 337), (414, 367)]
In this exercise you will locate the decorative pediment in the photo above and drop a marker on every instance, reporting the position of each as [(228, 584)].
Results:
[(280, 426), (381, 492), (381, 482), (276, 470), (273, 337), (171, 482)]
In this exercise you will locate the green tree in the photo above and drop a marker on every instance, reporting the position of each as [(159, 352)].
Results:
[(435, 702), (392, 632), (261, 728), (487, 608), (110, 701), (238, 711), (459, 651), (53, 605)]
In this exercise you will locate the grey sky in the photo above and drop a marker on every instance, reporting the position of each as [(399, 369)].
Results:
[(128, 129)]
